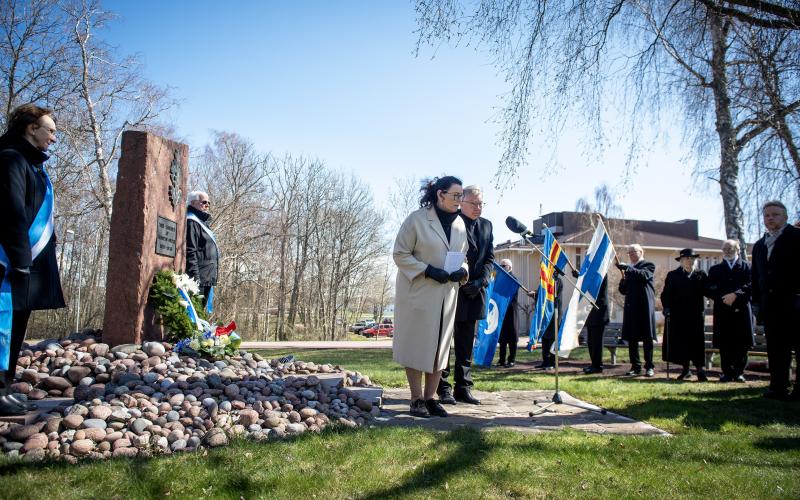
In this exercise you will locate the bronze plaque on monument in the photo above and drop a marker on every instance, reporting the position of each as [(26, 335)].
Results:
[(166, 236)]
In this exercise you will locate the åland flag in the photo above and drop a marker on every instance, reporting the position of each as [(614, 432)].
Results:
[(593, 271), (502, 288), (545, 296)]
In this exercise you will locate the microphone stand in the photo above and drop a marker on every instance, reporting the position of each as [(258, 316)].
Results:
[(557, 399)]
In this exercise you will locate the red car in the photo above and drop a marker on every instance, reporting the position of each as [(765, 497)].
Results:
[(380, 330)]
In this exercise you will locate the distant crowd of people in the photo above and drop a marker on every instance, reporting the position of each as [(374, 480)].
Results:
[(434, 306)]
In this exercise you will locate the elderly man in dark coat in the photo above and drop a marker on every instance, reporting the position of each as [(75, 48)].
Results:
[(29, 266), (472, 300), (729, 286), (683, 300), (776, 296), (639, 321)]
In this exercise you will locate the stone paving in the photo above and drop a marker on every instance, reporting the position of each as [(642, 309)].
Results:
[(511, 410)]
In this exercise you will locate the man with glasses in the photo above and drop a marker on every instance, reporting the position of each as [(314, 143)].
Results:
[(638, 321), (472, 299), (202, 254)]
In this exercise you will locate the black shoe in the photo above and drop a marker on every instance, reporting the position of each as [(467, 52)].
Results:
[(740, 378), (435, 409), (701, 376), (419, 409), (446, 397), (633, 372), (725, 378), (465, 396), (24, 402), (9, 408), (686, 373), (592, 369)]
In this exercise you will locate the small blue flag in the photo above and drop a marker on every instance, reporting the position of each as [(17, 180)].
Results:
[(502, 288)]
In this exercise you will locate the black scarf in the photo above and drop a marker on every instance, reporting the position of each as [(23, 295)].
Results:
[(446, 219)]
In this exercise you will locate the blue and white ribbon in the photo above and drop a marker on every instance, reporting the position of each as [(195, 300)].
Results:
[(39, 235), (200, 323), (210, 233)]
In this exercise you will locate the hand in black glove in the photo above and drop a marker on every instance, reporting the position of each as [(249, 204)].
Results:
[(666, 312), (575, 274), (472, 289), (437, 274), (458, 275), (622, 267)]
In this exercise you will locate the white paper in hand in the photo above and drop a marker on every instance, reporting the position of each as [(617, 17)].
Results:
[(453, 261)]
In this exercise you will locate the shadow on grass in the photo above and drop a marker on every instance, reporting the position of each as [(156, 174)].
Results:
[(714, 409), (778, 443), (468, 448)]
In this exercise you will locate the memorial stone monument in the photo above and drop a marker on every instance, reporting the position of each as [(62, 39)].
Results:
[(148, 226)]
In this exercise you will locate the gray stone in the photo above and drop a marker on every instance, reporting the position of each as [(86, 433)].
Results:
[(140, 425), (94, 423), (178, 445), (215, 437)]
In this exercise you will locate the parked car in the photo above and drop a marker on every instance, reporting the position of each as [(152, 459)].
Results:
[(386, 321), (379, 330), (361, 325)]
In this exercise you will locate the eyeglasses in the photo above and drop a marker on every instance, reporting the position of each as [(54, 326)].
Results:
[(456, 196), (475, 204), (205, 203)]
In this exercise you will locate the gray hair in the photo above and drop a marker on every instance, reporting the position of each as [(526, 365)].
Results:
[(733, 243), (775, 203), (473, 190), (636, 247), (194, 195)]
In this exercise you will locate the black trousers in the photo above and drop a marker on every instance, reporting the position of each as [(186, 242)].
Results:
[(512, 350), (633, 352), (779, 354), (595, 344), (733, 361), (463, 339), (19, 325), (205, 290), (548, 358)]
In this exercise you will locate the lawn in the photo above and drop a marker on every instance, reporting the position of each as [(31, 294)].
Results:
[(728, 443)]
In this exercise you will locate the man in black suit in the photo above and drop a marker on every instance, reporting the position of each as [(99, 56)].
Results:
[(595, 325), (776, 295), (202, 254), (638, 321), (30, 267), (472, 298), (729, 286)]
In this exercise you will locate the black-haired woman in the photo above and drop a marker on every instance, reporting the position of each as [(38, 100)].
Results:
[(425, 299)]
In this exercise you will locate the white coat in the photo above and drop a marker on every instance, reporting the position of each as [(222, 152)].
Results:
[(422, 304)]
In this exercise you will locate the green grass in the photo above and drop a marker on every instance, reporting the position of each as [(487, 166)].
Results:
[(728, 443)]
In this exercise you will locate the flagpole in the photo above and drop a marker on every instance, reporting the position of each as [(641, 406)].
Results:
[(575, 285)]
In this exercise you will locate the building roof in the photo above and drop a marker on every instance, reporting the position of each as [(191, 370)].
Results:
[(575, 229)]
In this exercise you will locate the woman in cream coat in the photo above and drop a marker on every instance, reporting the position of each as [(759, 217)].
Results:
[(425, 298)]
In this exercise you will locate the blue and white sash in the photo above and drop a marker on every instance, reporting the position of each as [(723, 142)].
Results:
[(210, 233), (39, 235)]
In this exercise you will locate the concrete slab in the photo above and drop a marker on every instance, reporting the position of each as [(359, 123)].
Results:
[(512, 410)]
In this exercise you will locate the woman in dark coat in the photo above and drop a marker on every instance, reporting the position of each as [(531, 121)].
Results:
[(35, 282), (729, 286), (684, 307)]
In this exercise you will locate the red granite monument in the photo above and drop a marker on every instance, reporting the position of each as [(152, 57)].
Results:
[(148, 225)]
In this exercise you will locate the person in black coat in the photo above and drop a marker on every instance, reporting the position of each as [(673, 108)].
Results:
[(202, 254), (729, 287), (549, 335), (639, 321), (776, 296), (508, 332), (472, 299), (35, 282), (595, 325), (683, 300)]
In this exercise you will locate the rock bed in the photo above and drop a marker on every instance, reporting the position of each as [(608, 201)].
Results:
[(143, 400)]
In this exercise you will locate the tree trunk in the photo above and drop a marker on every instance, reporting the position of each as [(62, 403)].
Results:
[(729, 152)]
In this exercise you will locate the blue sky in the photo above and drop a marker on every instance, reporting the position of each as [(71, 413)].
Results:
[(339, 81)]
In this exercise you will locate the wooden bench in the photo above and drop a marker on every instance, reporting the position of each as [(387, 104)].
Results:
[(612, 338), (759, 348)]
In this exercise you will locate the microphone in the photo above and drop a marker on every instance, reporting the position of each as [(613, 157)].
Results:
[(517, 227)]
